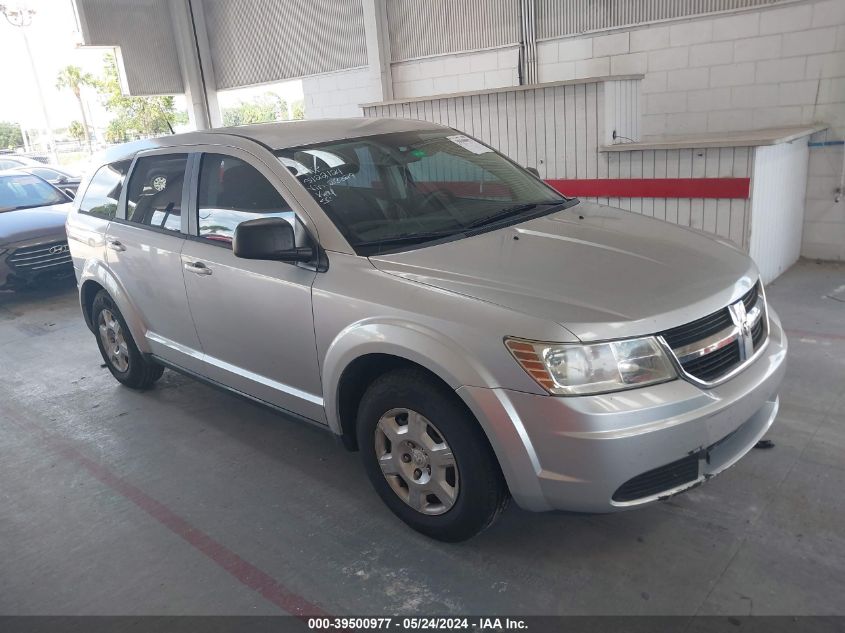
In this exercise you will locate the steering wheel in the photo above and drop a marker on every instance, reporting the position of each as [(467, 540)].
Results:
[(443, 197)]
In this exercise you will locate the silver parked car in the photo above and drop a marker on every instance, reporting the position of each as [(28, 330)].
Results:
[(472, 332)]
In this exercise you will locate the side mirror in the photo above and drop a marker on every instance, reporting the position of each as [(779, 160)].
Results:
[(269, 238), (533, 171)]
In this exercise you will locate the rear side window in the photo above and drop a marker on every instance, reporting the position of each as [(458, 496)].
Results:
[(104, 191), (232, 191), (154, 197)]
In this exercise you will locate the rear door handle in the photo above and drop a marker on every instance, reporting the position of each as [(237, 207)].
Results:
[(198, 268), (116, 245)]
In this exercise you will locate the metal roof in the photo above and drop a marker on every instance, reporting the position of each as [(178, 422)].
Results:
[(293, 133), (278, 135)]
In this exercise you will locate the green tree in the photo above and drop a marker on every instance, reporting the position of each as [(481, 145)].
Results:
[(298, 108), (77, 130), (116, 131), (73, 78), (10, 135), (267, 107), (134, 117), (180, 117)]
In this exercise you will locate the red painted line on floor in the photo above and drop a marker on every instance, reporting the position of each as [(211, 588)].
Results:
[(808, 334), (654, 187), (243, 571)]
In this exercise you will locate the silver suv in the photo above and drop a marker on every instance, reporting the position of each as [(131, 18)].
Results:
[(474, 334)]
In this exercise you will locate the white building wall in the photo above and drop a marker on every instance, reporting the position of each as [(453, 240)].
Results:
[(444, 74), (824, 219), (339, 94), (778, 188), (753, 69)]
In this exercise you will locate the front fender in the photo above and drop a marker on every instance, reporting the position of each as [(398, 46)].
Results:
[(439, 354), (98, 271), (454, 364)]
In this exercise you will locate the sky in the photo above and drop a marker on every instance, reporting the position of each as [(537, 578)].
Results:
[(54, 42)]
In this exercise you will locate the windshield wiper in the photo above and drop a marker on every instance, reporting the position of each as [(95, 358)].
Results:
[(409, 238), (509, 212), (413, 238)]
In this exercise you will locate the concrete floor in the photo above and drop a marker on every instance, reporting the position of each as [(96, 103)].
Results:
[(185, 500)]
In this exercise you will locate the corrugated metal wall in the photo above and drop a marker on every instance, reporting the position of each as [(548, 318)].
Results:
[(555, 129), (142, 30), (779, 186), (623, 112), (419, 28), (728, 218), (260, 41), (556, 18), (558, 129)]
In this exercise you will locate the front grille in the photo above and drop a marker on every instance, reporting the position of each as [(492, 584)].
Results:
[(33, 260), (757, 333), (711, 366), (699, 329), (659, 480)]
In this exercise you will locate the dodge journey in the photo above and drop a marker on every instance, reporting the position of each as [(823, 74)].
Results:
[(475, 334)]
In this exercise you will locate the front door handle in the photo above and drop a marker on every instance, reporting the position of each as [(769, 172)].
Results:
[(198, 268), (116, 246)]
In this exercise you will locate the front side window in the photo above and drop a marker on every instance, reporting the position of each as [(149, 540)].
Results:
[(232, 191), (102, 195), (23, 191), (388, 191), (154, 197)]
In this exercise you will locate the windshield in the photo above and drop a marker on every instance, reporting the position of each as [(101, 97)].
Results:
[(393, 191), (24, 192)]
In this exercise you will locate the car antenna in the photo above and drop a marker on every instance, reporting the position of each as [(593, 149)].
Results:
[(170, 126)]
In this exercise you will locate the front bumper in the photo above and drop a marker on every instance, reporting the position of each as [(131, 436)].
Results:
[(576, 453), (30, 260)]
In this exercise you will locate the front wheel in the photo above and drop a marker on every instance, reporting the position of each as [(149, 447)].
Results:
[(428, 458), (124, 360)]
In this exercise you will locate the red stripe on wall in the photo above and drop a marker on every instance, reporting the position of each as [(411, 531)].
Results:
[(655, 187)]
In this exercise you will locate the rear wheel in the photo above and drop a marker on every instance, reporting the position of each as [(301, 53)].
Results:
[(428, 458), (118, 348)]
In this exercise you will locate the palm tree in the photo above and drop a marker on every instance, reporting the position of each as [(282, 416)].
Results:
[(72, 77)]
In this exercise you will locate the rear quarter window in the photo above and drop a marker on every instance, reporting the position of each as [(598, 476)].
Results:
[(103, 193)]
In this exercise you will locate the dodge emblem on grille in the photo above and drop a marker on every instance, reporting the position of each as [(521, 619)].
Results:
[(744, 322), (59, 248)]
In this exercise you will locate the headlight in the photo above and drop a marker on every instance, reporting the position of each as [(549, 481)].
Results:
[(574, 370)]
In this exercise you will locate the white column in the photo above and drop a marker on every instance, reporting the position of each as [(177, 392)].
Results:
[(378, 46), (195, 63)]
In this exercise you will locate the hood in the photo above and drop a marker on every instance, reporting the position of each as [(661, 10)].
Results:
[(600, 272), (27, 224)]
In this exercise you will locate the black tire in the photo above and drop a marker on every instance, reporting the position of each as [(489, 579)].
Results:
[(141, 372), (482, 493)]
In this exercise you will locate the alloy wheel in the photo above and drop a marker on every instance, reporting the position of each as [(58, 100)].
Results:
[(113, 340)]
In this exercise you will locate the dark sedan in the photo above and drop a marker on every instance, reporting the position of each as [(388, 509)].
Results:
[(56, 176), (33, 242)]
